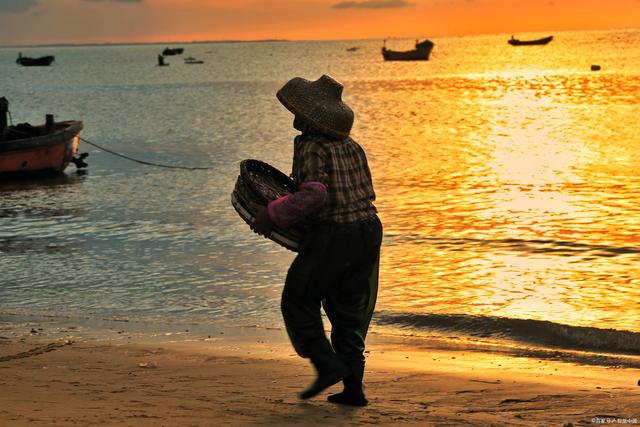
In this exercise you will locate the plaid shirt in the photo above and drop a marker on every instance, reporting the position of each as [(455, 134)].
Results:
[(341, 165)]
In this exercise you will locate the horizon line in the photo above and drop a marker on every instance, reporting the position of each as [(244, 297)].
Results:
[(278, 40), (145, 43)]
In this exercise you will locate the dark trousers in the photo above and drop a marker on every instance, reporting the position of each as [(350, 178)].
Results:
[(336, 268)]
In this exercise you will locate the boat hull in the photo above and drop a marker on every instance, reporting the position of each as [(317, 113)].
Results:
[(538, 42), (174, 51), (43, 61), (41, 154), (410, 55)]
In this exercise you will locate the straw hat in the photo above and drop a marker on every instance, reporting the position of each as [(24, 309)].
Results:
[(319, 103)]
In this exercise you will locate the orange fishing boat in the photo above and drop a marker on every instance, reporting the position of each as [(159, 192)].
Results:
[(37, 149)]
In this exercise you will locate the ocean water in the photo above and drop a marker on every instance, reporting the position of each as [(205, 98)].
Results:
[(508, 182)]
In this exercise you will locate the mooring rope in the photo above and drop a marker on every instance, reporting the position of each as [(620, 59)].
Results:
[(142, 162)]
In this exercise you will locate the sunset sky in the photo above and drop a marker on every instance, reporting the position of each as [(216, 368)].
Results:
[(103, 21)]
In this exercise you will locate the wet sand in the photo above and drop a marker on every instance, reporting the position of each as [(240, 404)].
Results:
[(254, 380)]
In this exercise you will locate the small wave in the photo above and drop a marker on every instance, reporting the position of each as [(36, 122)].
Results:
[(533, 246), (13, 245), (534, 332)]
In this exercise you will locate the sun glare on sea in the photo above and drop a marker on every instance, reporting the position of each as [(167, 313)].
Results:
[(532, 165), (491, 226)]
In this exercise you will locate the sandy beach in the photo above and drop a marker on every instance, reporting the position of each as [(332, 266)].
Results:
[(253, 379)]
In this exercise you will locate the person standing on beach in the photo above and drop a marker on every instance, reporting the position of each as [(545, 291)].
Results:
[(337, 265)]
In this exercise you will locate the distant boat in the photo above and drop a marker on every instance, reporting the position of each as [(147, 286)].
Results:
[(192, 60), (352, 49), (172, 51), (515, 42), (42, 61), (420, 53), (28, 149)]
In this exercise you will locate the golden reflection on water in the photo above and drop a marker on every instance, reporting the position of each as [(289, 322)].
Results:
[(498, 205), (530, 166)]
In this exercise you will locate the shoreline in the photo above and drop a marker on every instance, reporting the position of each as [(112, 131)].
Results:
[(563, 348), (252, 377)]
